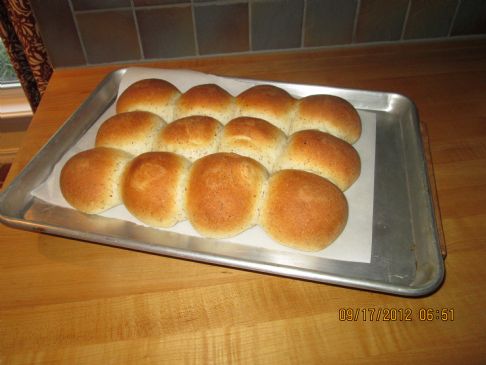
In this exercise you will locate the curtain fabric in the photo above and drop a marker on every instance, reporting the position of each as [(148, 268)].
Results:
[(25, 48)]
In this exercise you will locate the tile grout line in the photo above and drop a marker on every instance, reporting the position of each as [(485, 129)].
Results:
[(102, 10), (81, 41), (194, 28), (133, 6), (355, 22), (250, 37), (454, 17), (216, 2), (302, 28), (137, 30), (405, 20)]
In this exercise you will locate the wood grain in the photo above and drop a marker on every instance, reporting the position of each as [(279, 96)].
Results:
[(64, 301)]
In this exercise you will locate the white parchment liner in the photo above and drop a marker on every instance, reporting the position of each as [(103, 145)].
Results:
[(354, 244)]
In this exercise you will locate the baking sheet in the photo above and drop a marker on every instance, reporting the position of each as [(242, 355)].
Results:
[(353, 245), (405, 252)]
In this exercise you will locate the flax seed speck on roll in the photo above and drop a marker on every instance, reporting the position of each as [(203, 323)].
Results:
[(208, 100), (254, 138), (267, 102), (153, 188), (151, 95), (330, 114), (321, 154), (90, 180), (303, 210), (223, 194), (192, 137), (134, 132)]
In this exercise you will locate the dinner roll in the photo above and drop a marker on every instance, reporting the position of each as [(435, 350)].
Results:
[(223, 194), (254, 138), (303, 210), (153, 188), (151, 95), (134, 132), (90, 180), (322, 154), (209, 100), (191, 137), (330, 114), (267, 102)]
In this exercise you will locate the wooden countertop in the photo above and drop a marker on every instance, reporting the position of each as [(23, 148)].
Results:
[(73, 302)]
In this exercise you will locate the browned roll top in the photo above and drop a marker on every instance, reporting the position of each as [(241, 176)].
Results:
[(153, 187), (151, 95), (254, 138), (322, 154), (267, 102), (208, 100), (303, 210), (134, 132), (223, 194), (192, 137), (327, 113), (90, 180)]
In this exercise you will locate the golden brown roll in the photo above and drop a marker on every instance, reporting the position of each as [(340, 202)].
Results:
[(267, 102), (191, 137), (208, 100), (90, 180), (153, 188), (303, 210), (254, 138), (134, 132), (321, 154), (150, 95), (327, 113), (223, 194)]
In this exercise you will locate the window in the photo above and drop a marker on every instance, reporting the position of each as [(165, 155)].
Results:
[(7, 72), (13, 100), (15, 113)]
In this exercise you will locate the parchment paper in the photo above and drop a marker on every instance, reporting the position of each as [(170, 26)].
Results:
[(354, 244)]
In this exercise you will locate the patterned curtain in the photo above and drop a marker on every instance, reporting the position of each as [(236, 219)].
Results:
[(25, 48)]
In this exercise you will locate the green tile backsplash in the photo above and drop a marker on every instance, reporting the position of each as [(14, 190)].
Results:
[(166, 32), (61, 36), (329, 22), (276, 24), (381, 20), (471, 18), (82, 32), (222, 28), (422, 11), (109, 36)]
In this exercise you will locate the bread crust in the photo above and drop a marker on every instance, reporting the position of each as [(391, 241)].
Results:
[(134, 132), (302, 210), (267, 102), (223, 194), (152, 95), (153, 186), (322, 154), (254, 138), (330, 114), (209, 100), (90, 180), (192, 137)]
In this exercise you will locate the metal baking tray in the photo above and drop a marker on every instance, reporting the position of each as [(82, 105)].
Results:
[(405, 260)]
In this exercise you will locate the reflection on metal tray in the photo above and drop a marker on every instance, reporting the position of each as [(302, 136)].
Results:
[(406, 258)]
